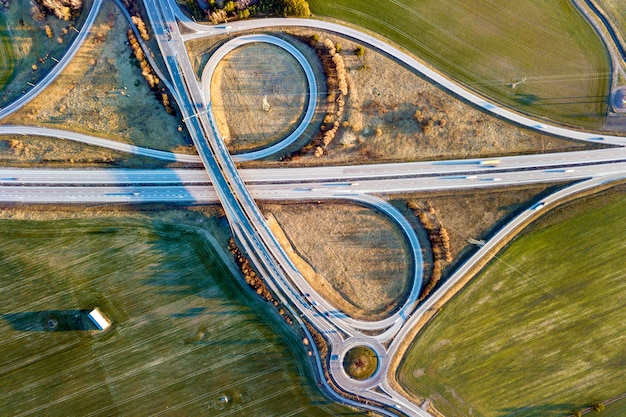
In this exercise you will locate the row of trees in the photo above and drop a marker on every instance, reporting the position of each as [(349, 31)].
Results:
[(439, 242), (219, 11), (253, 280), (337, 85), (62, 9), (141, 27), (146, 70)]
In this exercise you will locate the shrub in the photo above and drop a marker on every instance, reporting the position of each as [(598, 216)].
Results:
[(296, 8), (359, 51)]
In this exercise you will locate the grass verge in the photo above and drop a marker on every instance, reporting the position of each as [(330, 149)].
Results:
[(489, 46), (616, 11), (539, 332)]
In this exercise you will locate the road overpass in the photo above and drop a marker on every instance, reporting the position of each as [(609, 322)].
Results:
[(247, 223)]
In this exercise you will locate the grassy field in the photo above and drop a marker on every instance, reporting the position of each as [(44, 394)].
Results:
[(489, 45), (7, 54), (616, 10), (185, 339), (541, 331), (360, 362)]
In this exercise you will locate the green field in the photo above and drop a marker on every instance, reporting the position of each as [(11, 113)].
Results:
[(541, 331), (7, 54), (616, 10), (488, 45), (617, 409), (185, 341)]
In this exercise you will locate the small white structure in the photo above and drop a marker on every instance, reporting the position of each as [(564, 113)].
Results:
[(99, 320)]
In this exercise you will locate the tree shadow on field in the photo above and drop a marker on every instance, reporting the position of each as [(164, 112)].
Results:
[(50, 321), (535, 100), (545, 410), (526, 99)]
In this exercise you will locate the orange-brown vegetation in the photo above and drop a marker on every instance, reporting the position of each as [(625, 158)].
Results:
[(141, 26), (337, 84), (319, 341), (439, 242), (146, 70), (62, 9), (254, 280)]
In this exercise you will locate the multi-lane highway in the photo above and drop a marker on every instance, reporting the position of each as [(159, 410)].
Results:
[(237, 190)]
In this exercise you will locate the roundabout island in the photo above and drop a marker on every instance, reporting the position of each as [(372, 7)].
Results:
[(360, 363)]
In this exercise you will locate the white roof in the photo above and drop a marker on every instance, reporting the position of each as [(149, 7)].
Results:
[(99, 320)]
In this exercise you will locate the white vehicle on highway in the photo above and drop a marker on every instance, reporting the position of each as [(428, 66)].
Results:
[(538, 205)]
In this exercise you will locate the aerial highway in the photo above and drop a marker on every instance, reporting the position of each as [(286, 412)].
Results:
[(247, 223), (20, 179), (239, 189)]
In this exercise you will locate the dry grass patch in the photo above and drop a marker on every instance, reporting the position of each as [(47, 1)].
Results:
[(259, 93), (392, 115), (101, 92), (474, 213), (18, 150), (359, 259)]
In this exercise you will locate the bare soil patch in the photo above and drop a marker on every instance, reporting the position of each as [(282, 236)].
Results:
[(359, 258), (102, 92), (259, 93)]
